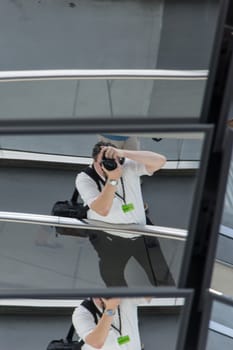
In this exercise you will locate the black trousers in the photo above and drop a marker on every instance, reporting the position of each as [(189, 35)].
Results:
[(114, 253)]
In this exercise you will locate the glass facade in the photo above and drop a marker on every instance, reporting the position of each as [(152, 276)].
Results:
[(187, 250), (116, 98)]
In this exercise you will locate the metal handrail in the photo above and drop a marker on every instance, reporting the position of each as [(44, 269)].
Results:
[(79, 160), (48, 220), (155, 74)]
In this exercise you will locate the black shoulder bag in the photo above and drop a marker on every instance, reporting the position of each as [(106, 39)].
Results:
[(74, 209), (68, 343)]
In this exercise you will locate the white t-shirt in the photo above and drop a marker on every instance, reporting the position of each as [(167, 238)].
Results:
[(131, 180), (84, 323)]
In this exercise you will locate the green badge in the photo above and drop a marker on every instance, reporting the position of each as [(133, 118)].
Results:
[(123, 339), (127, 207)]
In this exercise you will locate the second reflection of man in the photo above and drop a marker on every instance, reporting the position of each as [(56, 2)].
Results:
[(109, 323)]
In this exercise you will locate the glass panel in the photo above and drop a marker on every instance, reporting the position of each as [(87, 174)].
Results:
[(43, 257), (69, 262), (173, 146), (120, 34), (220, 333), (156, 323), (101, 98), (222, 279), (169, 198)]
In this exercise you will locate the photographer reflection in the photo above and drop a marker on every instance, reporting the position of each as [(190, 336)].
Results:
[(119, 202), (108, 323)]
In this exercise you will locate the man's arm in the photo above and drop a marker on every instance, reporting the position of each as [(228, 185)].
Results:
[(103, 203), (152, 161), (99, 334)]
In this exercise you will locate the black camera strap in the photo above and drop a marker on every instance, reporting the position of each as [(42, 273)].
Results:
[(122, 197), (98, 179), (90, 171), (119, 330)]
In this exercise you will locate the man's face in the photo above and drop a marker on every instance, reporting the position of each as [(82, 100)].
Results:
[(100, 156)]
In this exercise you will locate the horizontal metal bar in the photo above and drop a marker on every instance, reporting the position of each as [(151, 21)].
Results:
[(96, 125), (55, 158), (60, 294), (48, 220), (221, 329), (103, 74), (220, 297), (63, 303), (42, 157), (226, 231)]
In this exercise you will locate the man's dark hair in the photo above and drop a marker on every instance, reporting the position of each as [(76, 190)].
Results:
[(97, 148)]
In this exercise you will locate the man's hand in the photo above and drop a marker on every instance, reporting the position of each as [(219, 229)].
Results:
[(112, 303), (152, 161), (112, 152), (99, 334), (113, 174)]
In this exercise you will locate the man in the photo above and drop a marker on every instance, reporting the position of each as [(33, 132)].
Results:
[(119, 202), (117, 325)]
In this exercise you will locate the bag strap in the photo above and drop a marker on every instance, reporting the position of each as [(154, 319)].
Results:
[(70, 333), (90, 171), (90, 306)]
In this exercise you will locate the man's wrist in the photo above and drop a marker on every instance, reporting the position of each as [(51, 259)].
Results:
[(110, 312), (121, 153), (113, 182)]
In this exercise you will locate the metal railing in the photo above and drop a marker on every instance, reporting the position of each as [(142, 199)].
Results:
[(78, 160), (155, 74), (48, 220)]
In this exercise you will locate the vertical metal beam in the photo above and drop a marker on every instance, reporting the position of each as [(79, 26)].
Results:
[(202, 241)]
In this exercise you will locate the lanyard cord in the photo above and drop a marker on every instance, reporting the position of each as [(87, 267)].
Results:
[(119, 317), (122, 185), (123, 190)]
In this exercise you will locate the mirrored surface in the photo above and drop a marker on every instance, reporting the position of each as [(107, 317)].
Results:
[(220, 334), (174, 146), (33, 186), (110, 35), (101, 98), (107, 35), (71, 261), (158, 322), (222, 279), (42, 257)]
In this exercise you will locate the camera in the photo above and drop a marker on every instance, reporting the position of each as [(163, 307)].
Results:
[(110, 163)]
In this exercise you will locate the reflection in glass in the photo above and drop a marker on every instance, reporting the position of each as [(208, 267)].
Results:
[(169, 198), (70, 261), (220, 333), (177, 148), (158, 322), (222, 279), (33, 256), (142, 98)]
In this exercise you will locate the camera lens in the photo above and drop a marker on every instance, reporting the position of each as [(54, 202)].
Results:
[(109, 164)]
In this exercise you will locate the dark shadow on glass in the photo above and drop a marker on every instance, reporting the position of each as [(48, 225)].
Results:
[(222, 279)]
